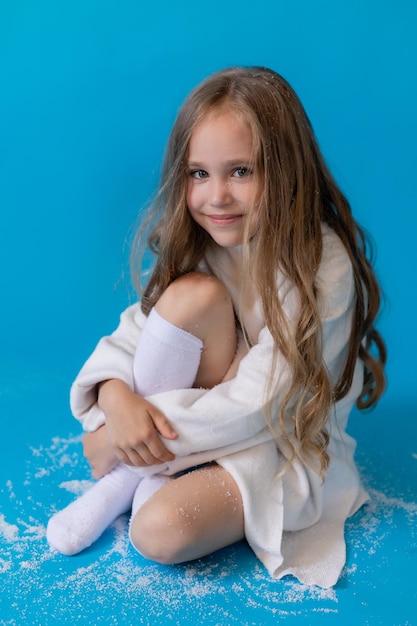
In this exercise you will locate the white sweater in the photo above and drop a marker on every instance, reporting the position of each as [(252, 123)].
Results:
[(294, 524)]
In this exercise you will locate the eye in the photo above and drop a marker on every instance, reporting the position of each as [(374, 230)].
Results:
[(241, 172), (199, 174)]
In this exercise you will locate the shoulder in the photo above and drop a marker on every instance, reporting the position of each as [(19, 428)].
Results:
[(131, 322), (334, 280), (133, 315), (333, 250)]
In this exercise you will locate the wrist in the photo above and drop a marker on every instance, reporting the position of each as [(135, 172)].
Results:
[(110, 392)]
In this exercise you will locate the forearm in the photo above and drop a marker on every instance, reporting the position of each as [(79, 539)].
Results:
[(109, 394)]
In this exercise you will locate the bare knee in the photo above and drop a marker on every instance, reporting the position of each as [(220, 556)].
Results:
[(201, 305), (193, 515), (192, 300), (161, 534)]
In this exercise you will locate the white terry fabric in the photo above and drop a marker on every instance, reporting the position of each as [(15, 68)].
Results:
[(295, 524)]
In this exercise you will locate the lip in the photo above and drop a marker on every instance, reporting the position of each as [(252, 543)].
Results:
[(225, 220)]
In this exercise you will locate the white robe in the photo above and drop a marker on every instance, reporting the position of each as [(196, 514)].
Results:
[(295, 523)]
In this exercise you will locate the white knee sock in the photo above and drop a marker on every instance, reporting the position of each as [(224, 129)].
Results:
[(146, 488), (166, 358), (83, 521)]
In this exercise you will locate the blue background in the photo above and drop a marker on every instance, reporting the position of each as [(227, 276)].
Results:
[(88, 94)]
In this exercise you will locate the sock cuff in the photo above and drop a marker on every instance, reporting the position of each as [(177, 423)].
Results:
[(162, 330)]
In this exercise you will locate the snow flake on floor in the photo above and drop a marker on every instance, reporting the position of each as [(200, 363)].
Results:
[(224, 588)]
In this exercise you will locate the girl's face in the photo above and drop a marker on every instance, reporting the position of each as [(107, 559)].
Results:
[(222, 182)]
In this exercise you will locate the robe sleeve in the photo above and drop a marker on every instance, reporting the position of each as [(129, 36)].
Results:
[(112, 358)]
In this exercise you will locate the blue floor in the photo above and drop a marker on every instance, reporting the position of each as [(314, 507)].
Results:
[(42, 468), (89, 89)]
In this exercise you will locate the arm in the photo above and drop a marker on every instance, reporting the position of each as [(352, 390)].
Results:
[(234, 410), (111, 359), (241, 399), (103, 392), (134, 427)]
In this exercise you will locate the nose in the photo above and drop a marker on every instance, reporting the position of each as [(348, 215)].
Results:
[(221, 193)]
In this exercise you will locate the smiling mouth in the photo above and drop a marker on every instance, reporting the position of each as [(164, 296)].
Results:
[(224, 220)]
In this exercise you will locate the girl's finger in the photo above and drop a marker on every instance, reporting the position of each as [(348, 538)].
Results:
[(163, 426), (157, 447), (142, 456)]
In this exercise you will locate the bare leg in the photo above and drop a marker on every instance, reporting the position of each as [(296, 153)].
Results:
[(190, 517), (201, 511), (201, 305)]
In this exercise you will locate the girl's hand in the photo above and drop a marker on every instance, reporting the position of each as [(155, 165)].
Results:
[(134, 426), (99, 452)]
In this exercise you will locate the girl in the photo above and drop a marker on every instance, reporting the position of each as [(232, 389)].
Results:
[(253, 339)]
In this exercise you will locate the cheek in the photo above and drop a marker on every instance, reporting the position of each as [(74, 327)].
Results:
[(190, 203), (193, 200), (252, 196), (189, 195)]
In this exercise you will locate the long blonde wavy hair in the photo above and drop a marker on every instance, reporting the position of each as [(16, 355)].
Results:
[(298, 195)]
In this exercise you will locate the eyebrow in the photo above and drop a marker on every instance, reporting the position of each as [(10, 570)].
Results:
[(231, 163)]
